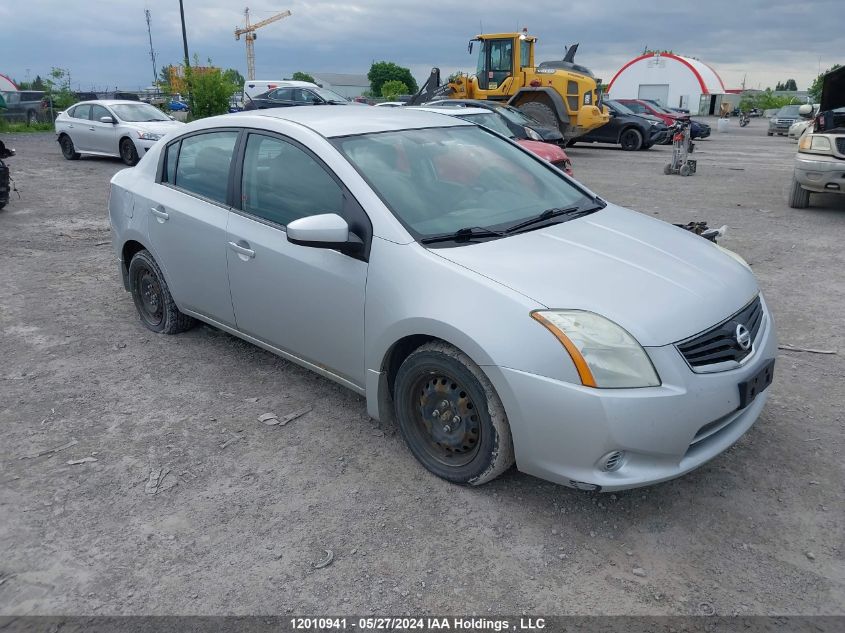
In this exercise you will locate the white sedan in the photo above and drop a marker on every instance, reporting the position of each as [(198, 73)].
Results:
[(126, 129)]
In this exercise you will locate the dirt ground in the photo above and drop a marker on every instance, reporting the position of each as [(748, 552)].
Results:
[(242, 510)]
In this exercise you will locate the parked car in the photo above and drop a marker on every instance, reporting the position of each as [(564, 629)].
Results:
[(493, 306), (521, 124), (175, 105), (783, 120), (22, 106), (820, 162), (255, 87), (288, 96), (669, 117), (390, 104), (797, 129), (492, 120), (127, 129), (628, 129)]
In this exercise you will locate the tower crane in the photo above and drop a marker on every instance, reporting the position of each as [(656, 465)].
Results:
[(248, 31)]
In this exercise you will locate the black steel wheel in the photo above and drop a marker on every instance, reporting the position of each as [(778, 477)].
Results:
[(631, 140), (68, 150), (450, 417), (155, 305), (128, 153)]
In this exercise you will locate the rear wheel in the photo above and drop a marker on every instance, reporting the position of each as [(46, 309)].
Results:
[(152, 297), (631, 140), (68, 150), (128, 153), (799, 198), (450, 416)]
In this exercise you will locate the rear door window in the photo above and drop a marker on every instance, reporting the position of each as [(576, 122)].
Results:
[(203, 164)]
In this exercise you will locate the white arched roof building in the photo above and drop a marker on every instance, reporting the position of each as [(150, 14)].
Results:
[(673, 80)]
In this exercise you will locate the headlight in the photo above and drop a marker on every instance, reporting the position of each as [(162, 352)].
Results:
[(149, 136), (813, 144), (605, 355), (532, 134), (650, 122)]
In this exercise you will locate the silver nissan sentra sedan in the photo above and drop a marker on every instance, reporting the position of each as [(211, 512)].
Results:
[(496, 309)]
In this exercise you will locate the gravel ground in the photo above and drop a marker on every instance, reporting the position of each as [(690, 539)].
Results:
[(243, 510)]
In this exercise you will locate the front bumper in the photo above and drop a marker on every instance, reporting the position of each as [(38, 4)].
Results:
[(819, 173), (561, 430)]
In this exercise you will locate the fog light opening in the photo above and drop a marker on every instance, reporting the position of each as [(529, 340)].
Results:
[(612, 461)]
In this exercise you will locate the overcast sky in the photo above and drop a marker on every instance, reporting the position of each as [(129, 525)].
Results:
[(104, 42)]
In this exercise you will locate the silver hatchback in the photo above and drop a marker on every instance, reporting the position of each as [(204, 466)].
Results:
[(492, 306)]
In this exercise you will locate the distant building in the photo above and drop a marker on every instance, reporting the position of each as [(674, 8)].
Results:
[(349, 86), (671, 80)]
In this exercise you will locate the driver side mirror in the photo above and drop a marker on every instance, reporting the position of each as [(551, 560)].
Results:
[(107, 119), (806, 111), (327, 230)]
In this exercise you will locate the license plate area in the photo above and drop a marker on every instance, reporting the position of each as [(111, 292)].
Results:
[(749, 389)]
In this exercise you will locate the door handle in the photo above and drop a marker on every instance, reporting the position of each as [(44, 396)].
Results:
[(162, 215), (92, 129), (242, 250)]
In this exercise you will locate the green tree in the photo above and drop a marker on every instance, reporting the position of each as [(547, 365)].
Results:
[(57, 86), (164, 78), (789, 84), (210, 91), (392, 89), (381, 72), (235, 78), (815, 90), (38, 84), (301, 76)]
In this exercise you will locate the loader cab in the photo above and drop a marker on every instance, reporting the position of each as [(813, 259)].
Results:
[(501, 58)]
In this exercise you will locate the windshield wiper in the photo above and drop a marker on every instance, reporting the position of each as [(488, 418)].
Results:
[(548, 214), (462, 235)]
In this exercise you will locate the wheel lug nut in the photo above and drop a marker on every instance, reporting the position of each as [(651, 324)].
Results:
[(456, 420), (435, 414), (447, 428)]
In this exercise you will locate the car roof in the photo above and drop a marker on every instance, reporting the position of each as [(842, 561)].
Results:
[(331, 121), (111, 102)]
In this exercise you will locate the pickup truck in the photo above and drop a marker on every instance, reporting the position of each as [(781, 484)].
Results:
[(23, 105)]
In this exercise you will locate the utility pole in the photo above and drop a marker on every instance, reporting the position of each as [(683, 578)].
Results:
[(187, 58), (152, 51)]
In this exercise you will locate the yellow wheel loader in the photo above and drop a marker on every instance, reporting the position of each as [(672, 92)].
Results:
[(560, 94)]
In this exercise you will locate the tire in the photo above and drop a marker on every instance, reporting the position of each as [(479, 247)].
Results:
[(437, 377), (543, 113), (667, 168), (68, 150), (799, 198), (156, 307), (631, 139), (769, 133), (128, 153), (685, 170)]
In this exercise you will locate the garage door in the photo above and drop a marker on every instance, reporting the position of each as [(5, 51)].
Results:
[(657, 92)]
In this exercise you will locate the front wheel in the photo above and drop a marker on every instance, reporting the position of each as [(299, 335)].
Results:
[(152, 297), (799, 198), (451, 417), (128, 153), (631, 140), (542, 113)]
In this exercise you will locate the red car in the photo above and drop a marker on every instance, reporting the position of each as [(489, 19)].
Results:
[(494, 121), (644, 107)]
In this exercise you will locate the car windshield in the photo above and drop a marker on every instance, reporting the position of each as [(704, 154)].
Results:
[(330, 95), (489, 120), (138, 112), (789, 111), (440, 180), (621, 108), (659, 108)]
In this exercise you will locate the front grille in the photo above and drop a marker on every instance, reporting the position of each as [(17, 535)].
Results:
[(785, 121), (840, 144), (719, 344)]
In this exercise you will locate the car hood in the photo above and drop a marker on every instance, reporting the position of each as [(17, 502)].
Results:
[(660, 282), (546, 151), (156, 127)]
